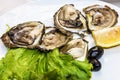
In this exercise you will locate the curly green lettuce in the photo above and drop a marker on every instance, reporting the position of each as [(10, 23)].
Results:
[(28, 64)]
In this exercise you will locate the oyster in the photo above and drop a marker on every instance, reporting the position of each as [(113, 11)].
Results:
[(99, 17), (53, 38), (77, 48), (28, 35), (68, 19)]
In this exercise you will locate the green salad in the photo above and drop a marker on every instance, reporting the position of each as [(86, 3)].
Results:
[(28, 64)]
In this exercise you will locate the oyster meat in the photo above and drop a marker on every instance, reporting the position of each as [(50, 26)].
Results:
[(53, 38), (99, 17), (68, 19), (77, 48), (28, 35)]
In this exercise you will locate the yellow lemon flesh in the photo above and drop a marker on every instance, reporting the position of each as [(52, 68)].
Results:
[(107, 37)]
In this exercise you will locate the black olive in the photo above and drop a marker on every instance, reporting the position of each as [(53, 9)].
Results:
[(95, 52), (96, 64)]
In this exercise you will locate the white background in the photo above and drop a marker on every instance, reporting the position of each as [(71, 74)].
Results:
[(6, 5)]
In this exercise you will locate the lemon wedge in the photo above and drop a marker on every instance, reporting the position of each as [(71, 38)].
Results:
[(107, 37)]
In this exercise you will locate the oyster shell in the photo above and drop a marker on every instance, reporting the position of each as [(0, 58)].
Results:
[(77, 48), (68, 19), (28, 35), (99, 17), (53, 38)]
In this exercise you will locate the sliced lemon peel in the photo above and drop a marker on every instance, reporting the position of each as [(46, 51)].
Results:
[(107, 37)]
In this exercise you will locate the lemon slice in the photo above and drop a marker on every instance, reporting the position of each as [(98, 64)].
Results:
[(107, 37)]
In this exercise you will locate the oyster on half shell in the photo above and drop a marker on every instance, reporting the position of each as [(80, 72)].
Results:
[(68, 19), (77, 48), (99, 17), (28, 35), (53, 38)]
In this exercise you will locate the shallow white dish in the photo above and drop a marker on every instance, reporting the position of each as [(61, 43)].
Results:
[(43, 11)]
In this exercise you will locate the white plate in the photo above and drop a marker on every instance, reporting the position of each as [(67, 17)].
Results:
[(43, 11)]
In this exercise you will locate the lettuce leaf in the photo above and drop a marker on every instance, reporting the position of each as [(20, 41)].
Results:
[(28, 64)]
